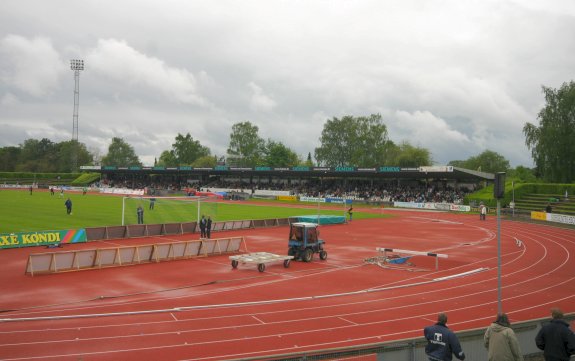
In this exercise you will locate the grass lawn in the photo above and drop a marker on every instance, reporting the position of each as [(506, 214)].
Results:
[(22, 212)]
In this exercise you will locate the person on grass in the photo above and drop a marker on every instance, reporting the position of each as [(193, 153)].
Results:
[(68, 205)]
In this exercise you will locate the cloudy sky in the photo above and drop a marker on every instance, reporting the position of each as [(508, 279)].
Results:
[(454, 76)]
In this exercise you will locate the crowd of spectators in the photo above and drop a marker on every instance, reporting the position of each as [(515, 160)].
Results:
[(356, 189), (360, 190)]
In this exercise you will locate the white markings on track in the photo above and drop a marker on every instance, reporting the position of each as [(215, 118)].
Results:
[(477, 298), (348, 321), (257, 319)]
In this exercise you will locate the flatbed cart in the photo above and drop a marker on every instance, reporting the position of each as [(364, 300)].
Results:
[(260, 258)]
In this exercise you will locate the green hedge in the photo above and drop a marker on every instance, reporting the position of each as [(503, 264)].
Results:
[(38, 176), (76, 179)]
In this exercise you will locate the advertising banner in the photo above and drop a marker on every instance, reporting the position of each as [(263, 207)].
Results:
[(561, 218), (287, 198), (338, 200), (435, 206), (44, 238), (542, 216), (312, 199)]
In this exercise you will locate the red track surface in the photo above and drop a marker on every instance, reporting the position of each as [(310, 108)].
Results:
[(202, 309)]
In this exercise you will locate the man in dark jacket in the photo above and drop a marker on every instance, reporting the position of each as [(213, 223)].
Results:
[(441, 341), (556, 339)]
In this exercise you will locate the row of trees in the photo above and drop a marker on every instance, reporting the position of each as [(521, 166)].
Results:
[(348, 141), (44, 156)]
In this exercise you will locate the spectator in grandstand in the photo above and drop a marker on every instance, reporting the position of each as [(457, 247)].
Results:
[(209, 227), (441, 341), (68, 205), (501, 342), (140, 214), (152, 203), (350, 212), (549, 209), (203, 224), (482, 211), (556, 338)]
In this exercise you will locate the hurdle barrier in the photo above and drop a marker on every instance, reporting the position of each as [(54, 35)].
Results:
[(55, 262), (413, 253)]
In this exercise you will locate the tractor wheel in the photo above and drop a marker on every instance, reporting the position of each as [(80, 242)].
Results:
[(234, 264), (307, 255), (261, 267), (286, 263), (322, 255)]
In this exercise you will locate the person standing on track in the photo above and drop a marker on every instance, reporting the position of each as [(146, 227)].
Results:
[(482, 211), (209, 227), (203, 224), (350, 212), (441, 341), (501, 342), (556, 338)]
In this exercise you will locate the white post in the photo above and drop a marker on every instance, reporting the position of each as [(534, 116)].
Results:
[(123, 208)]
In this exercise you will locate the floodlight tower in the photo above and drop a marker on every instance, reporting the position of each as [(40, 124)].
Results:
[(76, 65)]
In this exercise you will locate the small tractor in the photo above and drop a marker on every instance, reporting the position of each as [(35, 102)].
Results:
[(304, 242)]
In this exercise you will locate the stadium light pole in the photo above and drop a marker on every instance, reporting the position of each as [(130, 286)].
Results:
[(498, 193), (76, 65)]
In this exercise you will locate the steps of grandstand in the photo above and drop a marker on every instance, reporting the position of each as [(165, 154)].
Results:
[(538, 202)]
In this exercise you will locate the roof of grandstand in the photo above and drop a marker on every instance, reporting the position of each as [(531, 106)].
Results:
[(436, 172)]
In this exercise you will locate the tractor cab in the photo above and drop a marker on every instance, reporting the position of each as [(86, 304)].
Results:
[(304, 241)]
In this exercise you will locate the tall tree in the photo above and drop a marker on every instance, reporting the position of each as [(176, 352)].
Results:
[(205, 161), (552, 142), (186, 150), (246, 147), (355, 141), (37, 156), (167, 159), (308, 162), (411, 156), (9, 158), (64, 155), (121, 154), (488, 161), (278, 155)]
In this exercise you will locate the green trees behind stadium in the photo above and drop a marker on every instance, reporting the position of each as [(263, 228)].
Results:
[(363, 142), (552, 142), (42, 156)]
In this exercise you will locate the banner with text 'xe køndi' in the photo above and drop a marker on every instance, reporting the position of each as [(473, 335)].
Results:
[(43, 238)]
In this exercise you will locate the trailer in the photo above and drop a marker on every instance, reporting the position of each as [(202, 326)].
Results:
[(261, 259)]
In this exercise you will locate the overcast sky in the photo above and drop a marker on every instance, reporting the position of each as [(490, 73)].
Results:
[(456, 77)]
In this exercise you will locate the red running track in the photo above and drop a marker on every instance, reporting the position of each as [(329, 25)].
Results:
[(202, 309)]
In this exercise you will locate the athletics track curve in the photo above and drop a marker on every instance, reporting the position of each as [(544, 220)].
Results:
[(202, 309)]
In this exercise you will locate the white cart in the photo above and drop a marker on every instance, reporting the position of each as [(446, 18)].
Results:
[(261, 259)]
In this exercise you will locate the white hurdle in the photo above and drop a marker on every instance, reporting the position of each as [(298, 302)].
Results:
[(416, 253)]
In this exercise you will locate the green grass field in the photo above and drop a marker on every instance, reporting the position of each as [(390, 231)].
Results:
[(22, 212)]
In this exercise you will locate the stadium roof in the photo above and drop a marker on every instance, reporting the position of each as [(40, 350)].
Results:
[(435, 172)]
